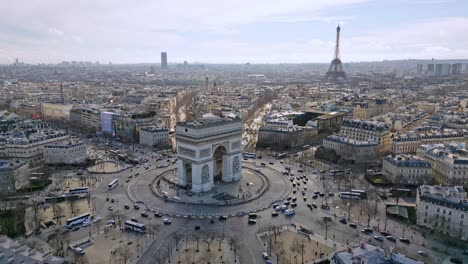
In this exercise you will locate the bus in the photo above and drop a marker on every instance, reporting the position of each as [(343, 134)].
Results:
[(336, 173), (113, 184), (78, 220), (350, 195), (362, 193), (134, 226), (79, 190), (249, 155), (281, 155)]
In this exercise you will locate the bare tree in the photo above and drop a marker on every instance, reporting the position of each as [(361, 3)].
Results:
[(279, 251), (208, 238), (58, 213), (124, 253), (220, 239), (369, 210), (276, 232), (299, 247), (177, 237), (197, 239), (326, 225), (207, 257), (235, 247)]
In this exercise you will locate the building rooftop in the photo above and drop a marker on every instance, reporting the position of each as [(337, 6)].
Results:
[(450, 196), (367, 253), (350, 141), (208, 121), (407, 160), (367, 125), (14, 252)]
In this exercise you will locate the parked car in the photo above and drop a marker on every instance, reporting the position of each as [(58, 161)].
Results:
[(126, 206), (252, 221), (97, 219), (343, 221), (404, 240), (167, 221), (353, 225), (391, 238), (158, 214), (379, 238), (274, 213), (79, 251), (289, 212)]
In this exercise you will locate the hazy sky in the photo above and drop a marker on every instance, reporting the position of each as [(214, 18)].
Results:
[(224, 31)]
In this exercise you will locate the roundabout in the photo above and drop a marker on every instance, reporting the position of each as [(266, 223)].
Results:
[(258, 189)]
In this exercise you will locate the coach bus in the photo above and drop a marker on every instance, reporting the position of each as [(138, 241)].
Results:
[(113, 184), (281, 155), (79, 190), (336, 173), (249, 155), (78, 220), (362, 193), (350, 195), (134, 226)]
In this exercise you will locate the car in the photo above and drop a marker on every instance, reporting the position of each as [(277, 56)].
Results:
[(323, 171), (259, 157), (314, 197), (144, 214), (343, 221), (79, 251), (303, 193), (284, 207), (127, 180), (126, 206), (353, 225), (252, 221), (281, 162), (275, 205), (289, 212), (167, 221), (133, 219), (325, 207), (271, 163), (404, 240), (422, 252), (289, 198), (76, 228), (136, 206), (253, 216), (278, 208), (316, 192), (391, 238), (265, 256), (379, 238), (274, 213), (300, 171), (197, 227), (86, 223), (309, 205), (286, 203), (294, 199), (112, 200), (294, 191), (304, 198), (314, 205), (385, 233), (465, 252), (331, 194), (223, 218), (110, 208), (97, 219), (321, 194), (293, 205), (107, 198), (367, 230)]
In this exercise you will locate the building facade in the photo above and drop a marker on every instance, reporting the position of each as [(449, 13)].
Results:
[(208, 150), (67, 152), (154, 137), (407, 169), (410, 142), (371, 131), (352, 150), (14, 175), (449, 162), (444, 209)]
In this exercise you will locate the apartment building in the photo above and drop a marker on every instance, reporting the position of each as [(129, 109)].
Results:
[(443, 208), (154, 137), (449, 162), (67, 152), (409, 142), (356, 151), (407, 169), (370, 131), (14, 175)]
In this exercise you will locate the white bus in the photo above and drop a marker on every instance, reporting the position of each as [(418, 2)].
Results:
[(248, 155), (113, 184), (281, 155), (336, 173), (362, 193), (79, 190), (78, 220), (134, 226), (350, 195)]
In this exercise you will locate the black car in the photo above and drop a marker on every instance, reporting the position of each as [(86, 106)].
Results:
[(253, 216), (304, 198), (309, 205), (144, 214), (274, 213), (158, 214), (300, 171), (271, 163), (223, 218), (293, 205), (294, 191), (197, 227), (314, 197), (289, 198), (321, 194), (126, 206), (367, 230), (259, 157), (294, 199), (353, 225), (404, 240), (314, 205), (385, 233), (263, 164), (343, 221), (286, 203)]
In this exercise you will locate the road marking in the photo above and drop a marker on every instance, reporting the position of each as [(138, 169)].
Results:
[(252, 256)]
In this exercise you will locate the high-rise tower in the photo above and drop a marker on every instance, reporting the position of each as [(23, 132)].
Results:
[(336, 68), (163, 60)]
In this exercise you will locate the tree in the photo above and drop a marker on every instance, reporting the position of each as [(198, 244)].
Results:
[(298, 247), (208, 238), (58, 213), (235, 247), (197, 239), (220, 239), (177, 237), (278, 251), (207, 257), (326, 225), (124, 253)]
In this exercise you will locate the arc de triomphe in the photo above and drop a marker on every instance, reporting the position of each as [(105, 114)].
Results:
[(208, 151)]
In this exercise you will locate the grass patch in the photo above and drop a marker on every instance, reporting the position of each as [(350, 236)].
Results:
[(411, 215)]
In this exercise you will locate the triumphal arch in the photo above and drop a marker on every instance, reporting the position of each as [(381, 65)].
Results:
[(209, 151)]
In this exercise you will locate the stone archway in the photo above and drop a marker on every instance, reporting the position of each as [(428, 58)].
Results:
[(218, 166)]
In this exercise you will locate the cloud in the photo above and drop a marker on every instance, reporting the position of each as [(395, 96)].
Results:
[(55, 32)]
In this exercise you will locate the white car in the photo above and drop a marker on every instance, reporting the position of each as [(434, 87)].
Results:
[(97, 219), (86, 223), (289, 212), (79, 250), (167, 221)]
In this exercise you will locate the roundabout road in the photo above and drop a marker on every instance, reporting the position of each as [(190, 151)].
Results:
[(140, 190)]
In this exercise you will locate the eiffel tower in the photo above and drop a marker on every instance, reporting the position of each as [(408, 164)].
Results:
[(336, 68)]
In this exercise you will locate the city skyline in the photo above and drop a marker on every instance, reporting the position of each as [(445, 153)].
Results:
[(213, 32)]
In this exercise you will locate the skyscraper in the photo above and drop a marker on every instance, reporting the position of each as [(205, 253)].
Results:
[(163, 60)]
